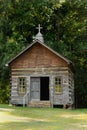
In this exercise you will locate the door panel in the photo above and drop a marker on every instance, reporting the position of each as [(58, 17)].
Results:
[(35, 89)]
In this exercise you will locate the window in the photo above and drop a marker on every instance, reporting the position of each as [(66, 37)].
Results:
[(21, 85), (58, 84)]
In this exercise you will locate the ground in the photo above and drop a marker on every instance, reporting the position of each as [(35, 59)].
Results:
[(20, 118)]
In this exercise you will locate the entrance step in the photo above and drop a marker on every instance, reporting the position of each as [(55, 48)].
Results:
[(40, 104)]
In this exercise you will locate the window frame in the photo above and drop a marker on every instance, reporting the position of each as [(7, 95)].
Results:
[(21, 85), (58, 82)]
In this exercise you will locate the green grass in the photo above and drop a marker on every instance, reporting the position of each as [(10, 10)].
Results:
[(19, 118)]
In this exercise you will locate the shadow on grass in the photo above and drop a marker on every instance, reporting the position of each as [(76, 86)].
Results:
[(42, 119)]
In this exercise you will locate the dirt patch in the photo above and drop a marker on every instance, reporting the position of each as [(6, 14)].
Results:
[(6, 109), (5, 116), (79, 116), (80, 125)]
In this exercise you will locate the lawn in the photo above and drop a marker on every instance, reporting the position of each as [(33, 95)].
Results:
[(19, 118)]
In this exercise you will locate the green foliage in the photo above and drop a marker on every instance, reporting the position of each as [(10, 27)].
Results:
[(64, 28)]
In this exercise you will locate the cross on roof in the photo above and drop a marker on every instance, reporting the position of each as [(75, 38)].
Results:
[(39, 28)]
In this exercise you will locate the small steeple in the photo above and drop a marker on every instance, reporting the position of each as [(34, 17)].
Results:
[(39, 36)]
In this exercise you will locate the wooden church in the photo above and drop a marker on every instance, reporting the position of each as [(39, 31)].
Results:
[(41, 77)]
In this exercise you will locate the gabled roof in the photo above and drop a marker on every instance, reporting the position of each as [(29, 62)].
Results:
[(37, 41)]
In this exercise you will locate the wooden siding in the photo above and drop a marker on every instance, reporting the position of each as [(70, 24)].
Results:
[(39, 61), (65, 97), (38, 56)]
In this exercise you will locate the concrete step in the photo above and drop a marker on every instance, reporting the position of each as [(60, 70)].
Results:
[(40, 104)]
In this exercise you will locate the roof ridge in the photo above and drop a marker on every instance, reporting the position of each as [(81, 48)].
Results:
[(35, 41)]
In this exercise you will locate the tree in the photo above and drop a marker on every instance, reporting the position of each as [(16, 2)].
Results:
[(64, 29)]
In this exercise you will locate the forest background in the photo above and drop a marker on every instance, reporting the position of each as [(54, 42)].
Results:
[(64, 29)]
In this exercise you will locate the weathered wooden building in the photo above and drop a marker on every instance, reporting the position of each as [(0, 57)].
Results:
[(41, 77)]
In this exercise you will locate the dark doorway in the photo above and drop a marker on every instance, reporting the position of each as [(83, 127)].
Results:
[(44, 88)]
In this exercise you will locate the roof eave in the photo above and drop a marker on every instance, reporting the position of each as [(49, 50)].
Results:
[(7, 64), (36, 40)]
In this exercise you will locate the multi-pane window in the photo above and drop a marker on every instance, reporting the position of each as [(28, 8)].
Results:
[(21, 85), (58, 84)]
